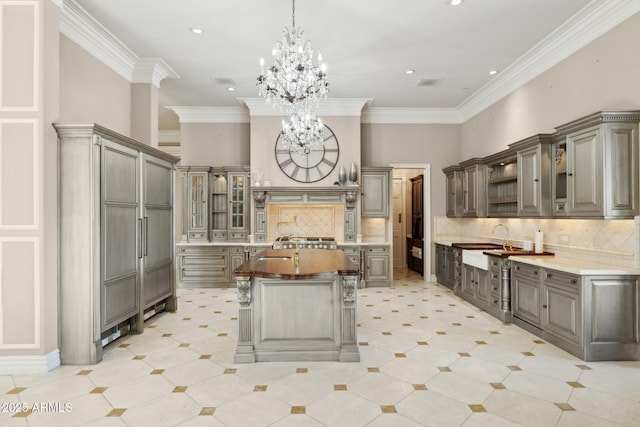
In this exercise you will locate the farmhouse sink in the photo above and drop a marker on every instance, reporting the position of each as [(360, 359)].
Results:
[(475, 258)]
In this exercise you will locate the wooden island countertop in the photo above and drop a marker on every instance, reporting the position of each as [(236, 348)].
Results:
[(312, 264)]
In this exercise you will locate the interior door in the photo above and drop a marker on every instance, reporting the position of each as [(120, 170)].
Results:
[(399, 216)]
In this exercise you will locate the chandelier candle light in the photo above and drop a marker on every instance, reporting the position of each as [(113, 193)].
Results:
[(293, 82), (303, 133)]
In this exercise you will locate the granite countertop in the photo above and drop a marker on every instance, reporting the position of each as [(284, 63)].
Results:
[(313, 264)]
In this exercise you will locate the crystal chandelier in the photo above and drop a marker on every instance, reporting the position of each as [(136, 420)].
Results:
[(303, 133), (293, 82)]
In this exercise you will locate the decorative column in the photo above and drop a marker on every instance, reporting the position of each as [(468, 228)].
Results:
[(349, 346), (244, 350)]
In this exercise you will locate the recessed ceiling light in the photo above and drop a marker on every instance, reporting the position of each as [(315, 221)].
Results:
[(196, 30), (493, 72), (455, 2), (410, 71), (231, 89)]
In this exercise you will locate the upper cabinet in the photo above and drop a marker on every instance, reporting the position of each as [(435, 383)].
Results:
[(534, 176), (595, 166), (474, 199), (215, 203), (454, 190), (502, 184), (375, 191), (587, 169)]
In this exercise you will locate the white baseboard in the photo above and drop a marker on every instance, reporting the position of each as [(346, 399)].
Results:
[(13, 365), (434, 279)]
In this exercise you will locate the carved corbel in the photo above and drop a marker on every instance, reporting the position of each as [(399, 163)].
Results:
[(350, 198), (244, 291), (349, 285), (259, 197)]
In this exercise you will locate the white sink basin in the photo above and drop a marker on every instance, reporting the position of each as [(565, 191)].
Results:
[(476, 259)]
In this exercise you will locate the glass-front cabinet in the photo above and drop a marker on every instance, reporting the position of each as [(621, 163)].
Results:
[(215, 203), (197, 223)]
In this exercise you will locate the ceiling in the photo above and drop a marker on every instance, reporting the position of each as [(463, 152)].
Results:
[(367, 44)]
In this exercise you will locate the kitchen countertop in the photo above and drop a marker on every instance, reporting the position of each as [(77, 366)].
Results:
[(575, 266), (268, 245), (313, 264)]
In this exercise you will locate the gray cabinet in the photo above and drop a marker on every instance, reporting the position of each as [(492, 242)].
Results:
[(197, 201), (499, 301), (377, 262), (592, 317), (475, 286), (203, 266), (116, 237), (474, 197), (447, 265), (375, 191), (502, 184), (534, 175), (595, 167), (453, 196)]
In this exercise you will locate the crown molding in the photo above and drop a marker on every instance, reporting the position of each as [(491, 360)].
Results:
[(328, 107), (82, 28), (411, 115), (211, 114), (169, 136), (588, 24), (57, 3), (152, 70)]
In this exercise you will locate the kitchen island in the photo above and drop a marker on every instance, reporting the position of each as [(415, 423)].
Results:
[(297, 305)]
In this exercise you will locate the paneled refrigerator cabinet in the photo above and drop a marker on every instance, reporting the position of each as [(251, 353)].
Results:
[(116, 237)]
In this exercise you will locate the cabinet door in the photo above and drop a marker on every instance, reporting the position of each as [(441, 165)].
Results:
[(377, 266), (469, 192), (198, 184), (562, 314), (584, 173), (158, 230), (621, 165), (237, 194), (468, 286), (529, 183), (121, 238), (483, 288), (375, 195), (350, 225), (450, 276), (454, 192), (526, 302), (441, 264)]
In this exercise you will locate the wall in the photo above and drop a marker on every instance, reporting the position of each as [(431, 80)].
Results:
[(214, 144), (437, 145), (602, 75), (90, 92)]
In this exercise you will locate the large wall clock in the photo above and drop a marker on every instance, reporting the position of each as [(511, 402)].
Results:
[(313, 165)]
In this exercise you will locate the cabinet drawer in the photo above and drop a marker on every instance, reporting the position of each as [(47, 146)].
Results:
[(197, 235), (203, 274), (219, 235), (237, 235), (212, 261), (203, 250), (378, 249), (236, 249), (350, 250), (563, 280), (526, 270)]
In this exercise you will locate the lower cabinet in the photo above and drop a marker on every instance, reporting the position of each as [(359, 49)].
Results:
[(448, 266), (475, 286), (203, 266), (377, 263), (592, 317)]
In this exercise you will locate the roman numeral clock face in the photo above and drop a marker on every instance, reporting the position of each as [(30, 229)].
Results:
[(311, 166)]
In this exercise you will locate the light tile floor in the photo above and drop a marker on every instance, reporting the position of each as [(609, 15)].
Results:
[(427, 358)]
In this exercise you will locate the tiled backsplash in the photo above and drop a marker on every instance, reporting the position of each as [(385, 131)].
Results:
[(374, 229), (610, 241), (305, 220)]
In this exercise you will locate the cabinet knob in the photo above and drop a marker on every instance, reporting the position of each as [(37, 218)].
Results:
[(544, 305), (536, 180), (535, 272), (548, 274), (569, 174), (573, 281)]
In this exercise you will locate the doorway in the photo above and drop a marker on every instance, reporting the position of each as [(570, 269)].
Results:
[(402, 214)]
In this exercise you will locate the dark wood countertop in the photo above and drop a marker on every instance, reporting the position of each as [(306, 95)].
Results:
[(313, 264)]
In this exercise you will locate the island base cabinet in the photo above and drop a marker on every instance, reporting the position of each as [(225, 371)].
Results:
[(562, 317)]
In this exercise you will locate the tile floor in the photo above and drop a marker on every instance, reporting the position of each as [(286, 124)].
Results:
[(427, 358)]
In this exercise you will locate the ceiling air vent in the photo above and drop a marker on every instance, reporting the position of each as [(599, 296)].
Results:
[(428, 82), (223, 81)]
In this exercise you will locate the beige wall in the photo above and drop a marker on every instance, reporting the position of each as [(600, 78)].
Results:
[(437, 145), (90, 92), (603, 75), (214, 144)]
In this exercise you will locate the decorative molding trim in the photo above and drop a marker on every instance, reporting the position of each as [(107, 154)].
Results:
[(169, 136), (83, 29), (57, 3), (588, 24), (152, 70), (16, 365), (210, 114), (411, 115), (329, 107)]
